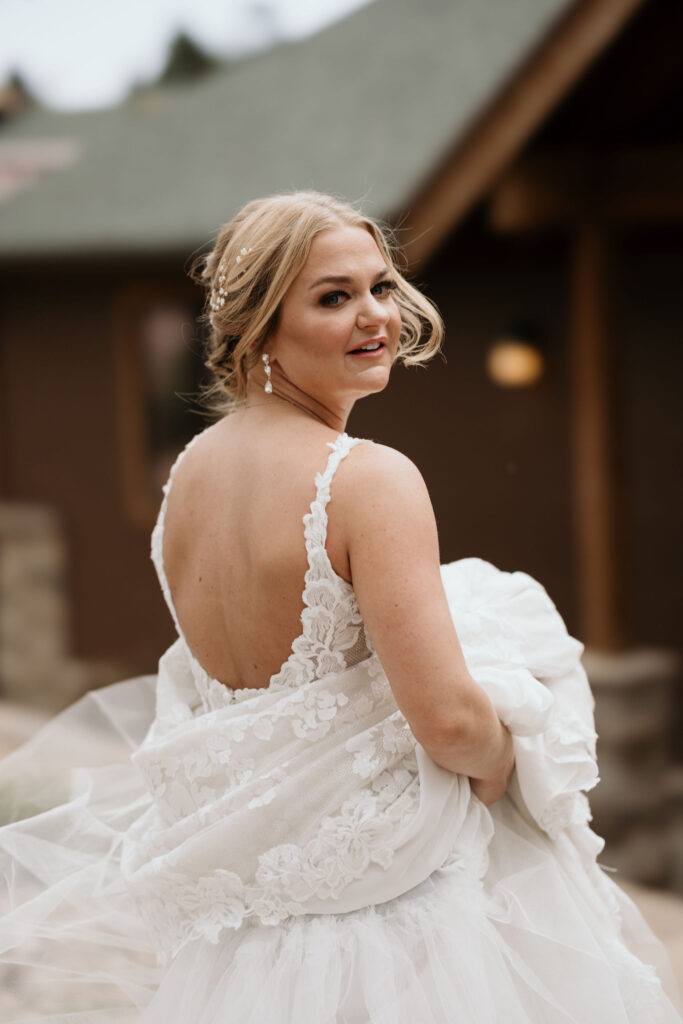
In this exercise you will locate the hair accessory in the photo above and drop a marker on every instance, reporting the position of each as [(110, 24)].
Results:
[(268, 386), (219, 295)]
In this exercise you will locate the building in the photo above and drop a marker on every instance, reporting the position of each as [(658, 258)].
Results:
[(529, 154)]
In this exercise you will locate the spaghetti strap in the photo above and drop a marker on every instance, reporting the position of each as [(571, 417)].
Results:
[(332, 628), (315, 520)]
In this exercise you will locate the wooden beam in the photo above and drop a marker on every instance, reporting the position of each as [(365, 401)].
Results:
[(499, 134), (595, 483), (637, 186)]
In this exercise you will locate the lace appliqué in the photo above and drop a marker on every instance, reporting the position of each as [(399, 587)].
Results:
[(331, 621), (180, 909), (377, 748), (187, 777)]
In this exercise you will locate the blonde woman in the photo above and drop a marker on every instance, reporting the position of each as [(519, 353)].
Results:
[(354, 792)]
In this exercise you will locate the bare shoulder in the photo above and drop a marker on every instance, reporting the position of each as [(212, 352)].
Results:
[(382, 457), (380, 477)]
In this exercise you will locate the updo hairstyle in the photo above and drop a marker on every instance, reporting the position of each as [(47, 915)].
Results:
[(247, 274)]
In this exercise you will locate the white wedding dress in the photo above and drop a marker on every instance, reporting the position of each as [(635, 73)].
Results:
[(177, 852)]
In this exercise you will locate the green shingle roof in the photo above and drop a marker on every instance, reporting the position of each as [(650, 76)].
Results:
[(365, 108)]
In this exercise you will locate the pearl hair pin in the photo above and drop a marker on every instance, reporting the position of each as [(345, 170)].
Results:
[(219, 295)]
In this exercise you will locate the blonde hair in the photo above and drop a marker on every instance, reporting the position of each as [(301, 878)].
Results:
[(256, 258)]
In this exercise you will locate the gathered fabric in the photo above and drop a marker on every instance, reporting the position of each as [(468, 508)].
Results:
[(346, 809), (175, 850)]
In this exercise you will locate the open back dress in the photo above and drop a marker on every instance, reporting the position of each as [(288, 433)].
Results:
[(178, 852)]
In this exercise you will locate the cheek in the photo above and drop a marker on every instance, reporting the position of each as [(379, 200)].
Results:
[(317, 338), (395, 322), (327, 332)]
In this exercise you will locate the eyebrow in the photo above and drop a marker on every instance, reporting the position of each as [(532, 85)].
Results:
[(343, 279)]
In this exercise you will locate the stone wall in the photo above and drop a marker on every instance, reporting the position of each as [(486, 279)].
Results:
[(638, 804), (36, 668)]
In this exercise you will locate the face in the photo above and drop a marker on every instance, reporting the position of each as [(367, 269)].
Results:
[(341, 300)]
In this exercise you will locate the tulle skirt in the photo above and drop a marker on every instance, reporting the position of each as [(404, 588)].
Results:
[(537, 938), (536, 947)]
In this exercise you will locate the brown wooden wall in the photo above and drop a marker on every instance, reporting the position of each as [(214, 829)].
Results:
[(498, 462), (61, 446)]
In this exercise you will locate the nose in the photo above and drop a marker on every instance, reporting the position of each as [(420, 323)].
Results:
[(372, 313)]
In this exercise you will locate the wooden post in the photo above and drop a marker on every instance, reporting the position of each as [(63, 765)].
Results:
[(600, 568)]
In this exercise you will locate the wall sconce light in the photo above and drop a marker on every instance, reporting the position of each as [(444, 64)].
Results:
[(516, 359)]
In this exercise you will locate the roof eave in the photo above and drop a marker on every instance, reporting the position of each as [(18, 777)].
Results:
[(499, 133)]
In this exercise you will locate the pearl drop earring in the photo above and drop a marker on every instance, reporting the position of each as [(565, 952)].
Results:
[(267, 387)]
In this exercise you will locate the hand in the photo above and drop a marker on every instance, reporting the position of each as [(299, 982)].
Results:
[(492, 789)]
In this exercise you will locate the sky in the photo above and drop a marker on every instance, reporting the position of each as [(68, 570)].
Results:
[(87, 54)]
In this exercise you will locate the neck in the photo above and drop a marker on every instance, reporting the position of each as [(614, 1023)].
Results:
[(287, 391)]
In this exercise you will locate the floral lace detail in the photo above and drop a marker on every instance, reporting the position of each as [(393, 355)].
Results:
[(184, 778), (247, 763), (179, 908), (331, 621), (389, 741)]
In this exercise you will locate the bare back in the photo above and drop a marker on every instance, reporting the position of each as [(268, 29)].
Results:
[(234, 553)]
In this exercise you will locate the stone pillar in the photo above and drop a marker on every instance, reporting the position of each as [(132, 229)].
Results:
[(637, 804), (35, 664)]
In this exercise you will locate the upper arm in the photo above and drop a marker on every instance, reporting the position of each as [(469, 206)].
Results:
[(392, 540)]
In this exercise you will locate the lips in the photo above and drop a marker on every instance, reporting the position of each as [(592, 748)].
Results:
[(380, 342)]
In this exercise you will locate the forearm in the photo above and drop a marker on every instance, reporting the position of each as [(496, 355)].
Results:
[(475, 744)]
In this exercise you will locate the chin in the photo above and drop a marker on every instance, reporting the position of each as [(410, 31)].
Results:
[(374, 384)]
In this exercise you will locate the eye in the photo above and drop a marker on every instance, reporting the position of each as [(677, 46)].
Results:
[(330, 299), (389, 286), (326, 300)]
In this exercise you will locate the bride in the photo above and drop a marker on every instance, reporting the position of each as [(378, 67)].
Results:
[(354, 792)]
